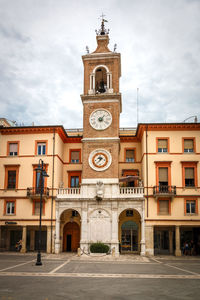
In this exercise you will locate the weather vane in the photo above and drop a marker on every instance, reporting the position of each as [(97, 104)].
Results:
[(102, 30)]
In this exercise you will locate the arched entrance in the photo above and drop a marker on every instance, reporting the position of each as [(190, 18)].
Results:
[(71, 237), (70, 221), (130, 231)]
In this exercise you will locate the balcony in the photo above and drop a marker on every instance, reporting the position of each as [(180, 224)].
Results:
[(34, 193), (129, 192), (109, 192), (164, 191)]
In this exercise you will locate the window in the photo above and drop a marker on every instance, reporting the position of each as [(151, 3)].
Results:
[(189, 174), (11, 180), (163, 178), (162, 145), (11, 176), (129, 213), (10, 207), (74, 179), (130, 178), (164, 207), (191, 206), (41, 147), (188, 145), (189, 177), (130, 155), (36, 207), (13, 148), (37, 179), (75, 156), (74, 213)]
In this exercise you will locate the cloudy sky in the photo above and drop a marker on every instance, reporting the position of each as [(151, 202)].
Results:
[(41, 70)]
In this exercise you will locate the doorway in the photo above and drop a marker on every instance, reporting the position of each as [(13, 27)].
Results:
[(71, 237), (129, 237)]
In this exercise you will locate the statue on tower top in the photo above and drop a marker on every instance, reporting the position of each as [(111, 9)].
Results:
[(102, 30)]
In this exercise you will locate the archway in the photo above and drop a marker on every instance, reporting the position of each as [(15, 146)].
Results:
[(70, 230), (100, 80), (71, 237), (130, 231)]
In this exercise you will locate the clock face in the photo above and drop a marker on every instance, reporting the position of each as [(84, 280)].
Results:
[(100, 159), (100, 119)]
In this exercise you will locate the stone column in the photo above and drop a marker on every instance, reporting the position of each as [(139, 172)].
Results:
[(170, 241), (24, 234), (149, 233), (178, 250), (57, 240), (48, 239), (84, 231), (143, 250), (115, 238), (32, 240)]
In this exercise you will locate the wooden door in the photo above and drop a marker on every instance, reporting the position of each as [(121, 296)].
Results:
[(71, 229)]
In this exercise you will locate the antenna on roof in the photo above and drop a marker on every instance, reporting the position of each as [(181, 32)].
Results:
[(137, 106), (195, 119)]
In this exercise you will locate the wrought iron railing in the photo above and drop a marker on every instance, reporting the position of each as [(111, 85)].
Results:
[(164, 189), (35, 191)]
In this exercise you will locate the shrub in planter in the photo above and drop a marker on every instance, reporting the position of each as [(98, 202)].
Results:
[(99, 248)]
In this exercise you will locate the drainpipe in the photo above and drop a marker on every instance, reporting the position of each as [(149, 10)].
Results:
[(147, 182), (52, 188)]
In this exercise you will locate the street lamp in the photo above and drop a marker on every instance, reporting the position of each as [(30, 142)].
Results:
[(40, 182)]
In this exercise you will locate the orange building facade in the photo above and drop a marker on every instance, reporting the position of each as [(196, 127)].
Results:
[(137, 190)]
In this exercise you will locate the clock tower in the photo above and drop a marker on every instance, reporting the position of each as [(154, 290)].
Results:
[(101, 112)]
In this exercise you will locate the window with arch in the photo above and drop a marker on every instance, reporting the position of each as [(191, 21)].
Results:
[(100, 80)]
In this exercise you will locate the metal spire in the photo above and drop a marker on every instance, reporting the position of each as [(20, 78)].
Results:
[(102, 30)]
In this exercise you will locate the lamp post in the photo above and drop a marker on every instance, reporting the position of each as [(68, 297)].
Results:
[(40, 170)]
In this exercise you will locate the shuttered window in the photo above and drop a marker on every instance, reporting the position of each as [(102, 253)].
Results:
[(162, 145), (75, 156), (189, 177), (163, 175), (163, 207), (188, 145), (130, 155), (11, 180), (13, 149)]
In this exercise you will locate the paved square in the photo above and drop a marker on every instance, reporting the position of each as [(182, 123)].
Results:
[(67, 276)]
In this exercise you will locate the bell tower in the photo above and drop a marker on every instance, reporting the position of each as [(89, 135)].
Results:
[(101, 108)]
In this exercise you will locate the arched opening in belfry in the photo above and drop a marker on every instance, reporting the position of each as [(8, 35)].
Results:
[(100, 80)]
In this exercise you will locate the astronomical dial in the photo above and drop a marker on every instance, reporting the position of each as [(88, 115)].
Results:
[(100, 119), (100, 159)]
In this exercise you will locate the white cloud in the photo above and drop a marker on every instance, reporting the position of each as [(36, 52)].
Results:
[(41, 72)]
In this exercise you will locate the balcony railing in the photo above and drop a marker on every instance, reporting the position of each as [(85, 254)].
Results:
[(164, 190), (131, 190), (35, 192), (69, 191)]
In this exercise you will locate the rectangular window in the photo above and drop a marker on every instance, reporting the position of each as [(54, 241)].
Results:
[(163, 207), (74, 181), (41, 148), (10, 208), (130, 155), (75, 156), (190, 206), (163, 176), (13, 149), (189, 177), (36, 208), (162, 145), (11, 179), (188, 145)]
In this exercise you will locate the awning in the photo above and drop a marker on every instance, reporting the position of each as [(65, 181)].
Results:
[(128, 178)]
